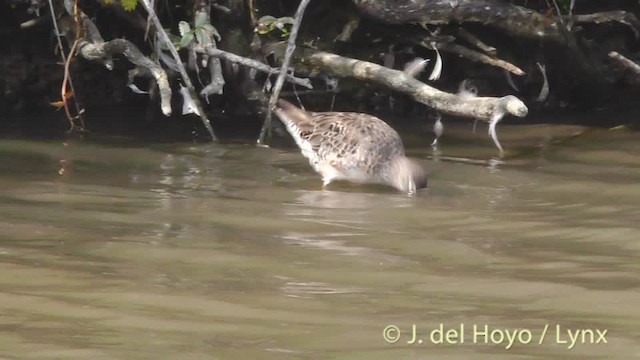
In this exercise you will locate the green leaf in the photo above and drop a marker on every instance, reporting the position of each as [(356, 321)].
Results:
[(184, 28), (201, 19), (284, 21), (266, 20), (263, 30), (201, 36), (186, 40), (129, 5)]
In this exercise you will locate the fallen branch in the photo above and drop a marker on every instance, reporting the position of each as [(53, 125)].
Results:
[(231, 57), (515, 20), (291, 46), (482, 108)]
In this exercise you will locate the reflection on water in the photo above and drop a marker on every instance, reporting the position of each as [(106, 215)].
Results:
[(235, 252)]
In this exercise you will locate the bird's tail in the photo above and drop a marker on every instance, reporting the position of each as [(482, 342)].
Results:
[(299, 122), (287, 112)]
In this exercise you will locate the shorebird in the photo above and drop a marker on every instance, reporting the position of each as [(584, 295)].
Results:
[(350, 146)]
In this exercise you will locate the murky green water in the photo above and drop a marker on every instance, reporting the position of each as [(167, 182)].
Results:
[(125, 251)]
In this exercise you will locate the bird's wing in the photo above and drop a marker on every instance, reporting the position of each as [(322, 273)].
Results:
[(353, 140)]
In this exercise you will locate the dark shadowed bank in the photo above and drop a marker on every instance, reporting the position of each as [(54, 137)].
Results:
[(394, 58)]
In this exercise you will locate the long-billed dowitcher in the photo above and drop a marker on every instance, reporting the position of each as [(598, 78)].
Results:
[(350, 146)]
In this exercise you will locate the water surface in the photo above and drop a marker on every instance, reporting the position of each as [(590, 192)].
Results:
[(121, 250)]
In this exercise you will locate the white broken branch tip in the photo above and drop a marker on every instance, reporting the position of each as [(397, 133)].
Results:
[(544, 91), (136, 89), (437, 68), (513, 106), (438, 129), (414, 67), (508, 104), (188, 104), (495, 119), (510, 81)]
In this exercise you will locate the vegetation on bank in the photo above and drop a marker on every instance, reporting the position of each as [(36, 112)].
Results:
[(221, 60)]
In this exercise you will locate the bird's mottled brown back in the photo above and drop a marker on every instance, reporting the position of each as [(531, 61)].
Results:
[(354, 141)]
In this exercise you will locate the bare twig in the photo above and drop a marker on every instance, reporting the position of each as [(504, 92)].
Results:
[(557, 7), (217, 81), (291, 46), (57, 30), (571, 5), (477, 56), (510, 81), (475, 41), (74, 11), (348, 29), (147, 28), (63, 89), (221, 8), (35, 22), (252, 13), (217, 53), (183, 72)]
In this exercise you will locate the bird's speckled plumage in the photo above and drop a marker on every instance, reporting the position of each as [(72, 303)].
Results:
[(351, 146)]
